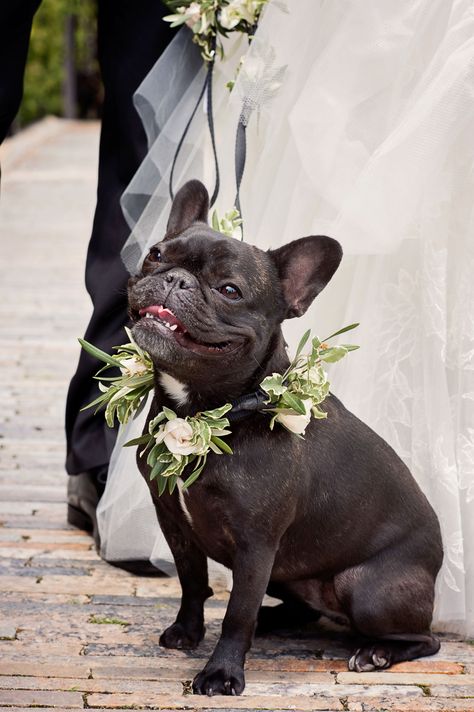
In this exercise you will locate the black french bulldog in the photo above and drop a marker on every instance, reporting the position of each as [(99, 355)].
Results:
[(332, 523)]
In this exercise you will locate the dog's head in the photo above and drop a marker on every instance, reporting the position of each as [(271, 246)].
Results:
[(207, 307)]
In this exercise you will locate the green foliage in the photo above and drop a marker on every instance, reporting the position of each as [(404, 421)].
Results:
[(304, 385), (229, 225), (126, 394), (44, 73)]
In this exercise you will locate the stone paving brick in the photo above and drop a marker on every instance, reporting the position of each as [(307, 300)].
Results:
[(255, 669), (35, 698), (208, 703), (171, 682), (14, 650), (40, 535), (38, 600), (38, 668), (88, 555), (7, 632), (456, 651), (457, 690), (33, 546), (429, 666), (381, 678), (65, 584), (394, 704), (40, 493)]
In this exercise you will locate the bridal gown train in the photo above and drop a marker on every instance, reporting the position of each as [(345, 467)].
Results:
[(360, 120)]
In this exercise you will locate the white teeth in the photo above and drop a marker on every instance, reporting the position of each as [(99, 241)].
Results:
[(172, 327)]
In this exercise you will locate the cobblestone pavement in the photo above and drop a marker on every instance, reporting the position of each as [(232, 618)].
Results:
[(76, 633)]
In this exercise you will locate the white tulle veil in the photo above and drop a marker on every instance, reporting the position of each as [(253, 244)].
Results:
[(360, 128)]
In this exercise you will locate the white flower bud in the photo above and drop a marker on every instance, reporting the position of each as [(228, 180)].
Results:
[(234, 12), (296, 423), (132, 366), (193, 13)]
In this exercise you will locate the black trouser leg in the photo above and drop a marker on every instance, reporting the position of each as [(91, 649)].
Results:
[(131, 37), (16, 17)]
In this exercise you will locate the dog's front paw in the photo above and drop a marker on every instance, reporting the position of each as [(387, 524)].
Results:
[(215, 679), (177, 636)]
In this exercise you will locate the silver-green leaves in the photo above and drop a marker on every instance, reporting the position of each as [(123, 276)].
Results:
[(229, 225), (295, 396), (122, 396)]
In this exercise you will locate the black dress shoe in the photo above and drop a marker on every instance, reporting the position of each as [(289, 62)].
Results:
[(83, 494)]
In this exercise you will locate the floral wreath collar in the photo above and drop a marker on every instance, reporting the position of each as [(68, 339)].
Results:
[(291, 399)]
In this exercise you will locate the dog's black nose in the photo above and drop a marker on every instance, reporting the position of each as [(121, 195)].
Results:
[(181, 279)]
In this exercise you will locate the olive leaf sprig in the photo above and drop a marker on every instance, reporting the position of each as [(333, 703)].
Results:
[(126, 394), (296, 394), (174, 443), (229, 224)]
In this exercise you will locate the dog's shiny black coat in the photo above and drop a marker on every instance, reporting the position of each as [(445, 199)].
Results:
[(332, 523)]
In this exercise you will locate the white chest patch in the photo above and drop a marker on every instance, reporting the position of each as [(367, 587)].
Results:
[(175, 389), (182, 501)]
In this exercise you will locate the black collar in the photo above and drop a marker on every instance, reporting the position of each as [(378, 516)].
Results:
[(246, 405)]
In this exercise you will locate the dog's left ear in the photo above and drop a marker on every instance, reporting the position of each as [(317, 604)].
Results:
[(190, 205), (305, 266)]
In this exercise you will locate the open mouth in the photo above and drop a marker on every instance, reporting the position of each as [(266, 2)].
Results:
[(163, 320)]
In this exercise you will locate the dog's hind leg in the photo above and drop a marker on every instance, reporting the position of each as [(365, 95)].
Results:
[(388, 651), (390, 602)]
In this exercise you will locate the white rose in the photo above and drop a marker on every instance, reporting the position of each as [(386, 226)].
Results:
[(296, 423), (193, 13), (132, 366), (177, 435)]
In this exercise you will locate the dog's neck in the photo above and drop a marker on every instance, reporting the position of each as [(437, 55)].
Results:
[(184, 400)]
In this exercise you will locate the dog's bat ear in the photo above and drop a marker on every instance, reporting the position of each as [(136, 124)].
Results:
[(305, 266), (190, 205)]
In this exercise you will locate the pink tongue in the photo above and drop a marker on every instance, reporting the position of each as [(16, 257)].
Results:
[(155, 310)]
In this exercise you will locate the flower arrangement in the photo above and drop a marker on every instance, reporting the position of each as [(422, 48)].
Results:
[(172, 443), (211, 20), (125, 395), (296, 394)]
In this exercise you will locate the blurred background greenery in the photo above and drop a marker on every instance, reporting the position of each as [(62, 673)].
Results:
[(62, 73)]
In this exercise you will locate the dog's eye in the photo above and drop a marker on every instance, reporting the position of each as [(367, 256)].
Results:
[(229, 291), (154, 255)]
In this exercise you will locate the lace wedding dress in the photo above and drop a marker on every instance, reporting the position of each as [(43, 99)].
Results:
[(360, 119)]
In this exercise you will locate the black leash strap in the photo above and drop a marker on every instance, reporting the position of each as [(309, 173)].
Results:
[(210, 122), (240, 158), (207, 86)]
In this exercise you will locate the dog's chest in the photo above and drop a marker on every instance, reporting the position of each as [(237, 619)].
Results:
[(206, 513)]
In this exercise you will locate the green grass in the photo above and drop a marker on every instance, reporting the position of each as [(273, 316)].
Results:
[(107, 621)]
